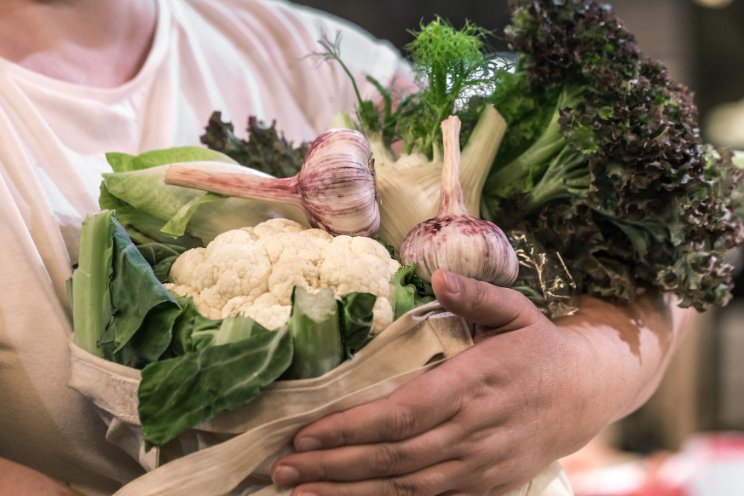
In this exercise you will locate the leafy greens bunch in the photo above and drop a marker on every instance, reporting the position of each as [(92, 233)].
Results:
[(602, 166), (605, 163), (194, 367)]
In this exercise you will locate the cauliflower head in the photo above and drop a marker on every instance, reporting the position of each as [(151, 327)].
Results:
[(252, 271)]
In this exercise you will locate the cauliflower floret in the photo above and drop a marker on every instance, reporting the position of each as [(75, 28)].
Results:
[(210, 302), (289, 272), (242, 236), (252, 271), (296, 259), (309, 244), (276, 226), (232, 307), (231, 265), (240, 270), (181, 290), (361, 264), (266, 310), (357, 264), (382, 315), (192, 270)]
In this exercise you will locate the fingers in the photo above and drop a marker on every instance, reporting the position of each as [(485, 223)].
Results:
[(370, 461), (433, 480), (483, 303), (366, 438), (412, 409)]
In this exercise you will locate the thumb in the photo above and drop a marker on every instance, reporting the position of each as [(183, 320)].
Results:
[(481, 303)]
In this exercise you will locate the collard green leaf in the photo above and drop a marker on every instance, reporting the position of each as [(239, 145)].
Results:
[(178, 393), (316, 331), (140, 305), (410, 291), (229, 330), (187, 324), (356, 321), (160, 256)]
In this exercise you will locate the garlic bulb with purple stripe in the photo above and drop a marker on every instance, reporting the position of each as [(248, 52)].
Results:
[(335, 186), (455, 240)]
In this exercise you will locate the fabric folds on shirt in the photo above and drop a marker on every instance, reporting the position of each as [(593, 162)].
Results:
[(241, 57)]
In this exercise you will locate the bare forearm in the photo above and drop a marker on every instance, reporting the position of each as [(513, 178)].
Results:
[(18, 479), (626, 348)]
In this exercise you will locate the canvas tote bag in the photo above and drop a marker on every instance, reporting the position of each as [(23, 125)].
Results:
[(231, 453)]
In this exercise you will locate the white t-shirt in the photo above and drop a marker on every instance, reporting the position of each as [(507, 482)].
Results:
[(242, 57)]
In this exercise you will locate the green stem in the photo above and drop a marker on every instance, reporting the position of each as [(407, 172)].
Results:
[(534, 159), (478, 155), (91, 297), (566, 176), (546, 146)]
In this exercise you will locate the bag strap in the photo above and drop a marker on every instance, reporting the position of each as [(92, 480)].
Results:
[(217, 470), (405, 346)]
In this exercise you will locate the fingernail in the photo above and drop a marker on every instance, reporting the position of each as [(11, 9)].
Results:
[(285, 475), (452, 282), (307, 444)]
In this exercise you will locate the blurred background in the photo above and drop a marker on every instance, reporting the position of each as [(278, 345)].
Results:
[(690, 433)]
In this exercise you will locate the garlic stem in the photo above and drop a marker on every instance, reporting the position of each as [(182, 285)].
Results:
[(451, 202), (242, 184)]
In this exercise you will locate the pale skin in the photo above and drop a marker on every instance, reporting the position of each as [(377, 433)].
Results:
[(529, 391)]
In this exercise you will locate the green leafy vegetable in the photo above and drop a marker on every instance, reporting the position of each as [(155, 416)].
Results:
[(120, 310), (410, 290), (229, 330), (449, 64), (91, 297), (223, 364), (155, 212), (315, 326), (189, 324), (618, 179), (160, 256), (193, 366), (356, 314), (180, 392)]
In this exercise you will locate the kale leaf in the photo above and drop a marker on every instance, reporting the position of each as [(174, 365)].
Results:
[(618, 179), (265, 149)]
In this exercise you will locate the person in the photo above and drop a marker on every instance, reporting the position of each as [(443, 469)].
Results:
[(79, 78)]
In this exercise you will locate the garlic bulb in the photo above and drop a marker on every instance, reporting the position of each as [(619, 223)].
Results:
[(410, 186), (454, 239), (335, 186)]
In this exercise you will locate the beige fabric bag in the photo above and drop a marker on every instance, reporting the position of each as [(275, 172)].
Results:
[(231, 453)]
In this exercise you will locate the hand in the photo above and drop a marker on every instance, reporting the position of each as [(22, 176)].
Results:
[(482, 423)]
